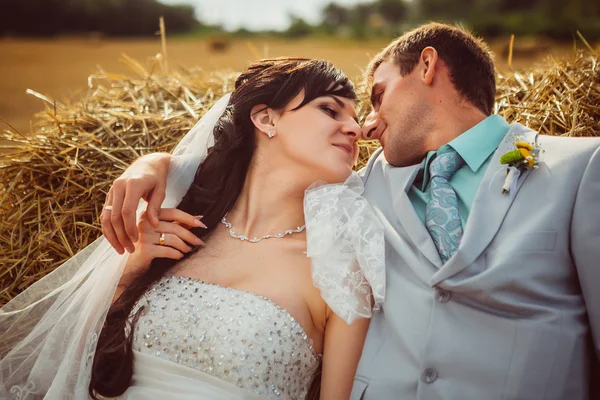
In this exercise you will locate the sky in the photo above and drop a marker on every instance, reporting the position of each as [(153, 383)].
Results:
[(257, 14)]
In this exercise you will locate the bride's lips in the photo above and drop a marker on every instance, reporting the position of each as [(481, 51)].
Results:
[(346, 147)]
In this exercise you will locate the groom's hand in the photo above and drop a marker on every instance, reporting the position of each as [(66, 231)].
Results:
[(145, 179)]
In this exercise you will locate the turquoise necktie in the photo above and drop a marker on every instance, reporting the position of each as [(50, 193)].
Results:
[(441, 213)]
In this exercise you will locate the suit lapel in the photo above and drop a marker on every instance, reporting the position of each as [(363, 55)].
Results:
[(401, 180), (488, 210)]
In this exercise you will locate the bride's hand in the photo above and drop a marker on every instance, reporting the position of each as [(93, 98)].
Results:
[(178, 240), (146, 178)]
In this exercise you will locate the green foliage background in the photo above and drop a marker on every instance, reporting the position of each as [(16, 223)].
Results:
[(109, 17), (556, 19)]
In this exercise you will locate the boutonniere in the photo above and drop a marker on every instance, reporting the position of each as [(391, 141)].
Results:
[(524, 156)]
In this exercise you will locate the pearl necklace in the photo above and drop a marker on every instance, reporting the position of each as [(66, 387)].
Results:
[(258, 239)]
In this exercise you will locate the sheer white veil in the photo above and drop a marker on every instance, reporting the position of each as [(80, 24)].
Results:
[(48, 333)]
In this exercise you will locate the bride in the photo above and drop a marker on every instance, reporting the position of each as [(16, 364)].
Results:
[(218, 299)]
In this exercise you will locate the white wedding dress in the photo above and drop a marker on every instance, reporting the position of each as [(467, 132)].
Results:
[(216, 342)]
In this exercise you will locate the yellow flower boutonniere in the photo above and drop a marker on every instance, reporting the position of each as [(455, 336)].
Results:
[(524, 156)]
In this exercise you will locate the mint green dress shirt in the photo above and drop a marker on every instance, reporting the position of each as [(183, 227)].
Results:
[(476, 147)]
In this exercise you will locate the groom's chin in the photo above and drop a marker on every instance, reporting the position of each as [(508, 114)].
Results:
[(397, 160)]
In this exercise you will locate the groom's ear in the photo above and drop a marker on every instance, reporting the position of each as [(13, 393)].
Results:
[(428, 61), (263, 118)]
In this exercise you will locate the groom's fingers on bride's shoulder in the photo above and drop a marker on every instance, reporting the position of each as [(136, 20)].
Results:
[(181, 217), (116, 217), (129, 211), (155, 200), (107, 229)]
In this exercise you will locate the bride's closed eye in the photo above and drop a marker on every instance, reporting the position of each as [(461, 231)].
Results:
[(332, 112)]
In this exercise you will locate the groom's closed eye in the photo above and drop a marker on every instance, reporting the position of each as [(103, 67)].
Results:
[(376, 94)]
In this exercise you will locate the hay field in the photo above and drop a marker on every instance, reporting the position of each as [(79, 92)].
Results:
[(59, 68)]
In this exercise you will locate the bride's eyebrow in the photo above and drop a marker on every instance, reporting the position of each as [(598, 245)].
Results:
[(341, 104)]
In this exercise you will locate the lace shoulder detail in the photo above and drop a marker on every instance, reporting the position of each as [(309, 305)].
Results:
[(346, 245)]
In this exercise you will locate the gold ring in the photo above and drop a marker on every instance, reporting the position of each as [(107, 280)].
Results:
[(108, 208), (161, 240)]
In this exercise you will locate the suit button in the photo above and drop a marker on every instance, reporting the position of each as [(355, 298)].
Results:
[(429, 375), (442, 296)]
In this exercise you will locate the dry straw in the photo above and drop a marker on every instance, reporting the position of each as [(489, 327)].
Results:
[(53, 182)]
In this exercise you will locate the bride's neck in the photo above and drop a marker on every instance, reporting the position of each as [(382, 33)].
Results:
[(271, 201)]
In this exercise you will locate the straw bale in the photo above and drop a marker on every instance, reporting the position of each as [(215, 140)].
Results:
[(560, 98), (54, 181)]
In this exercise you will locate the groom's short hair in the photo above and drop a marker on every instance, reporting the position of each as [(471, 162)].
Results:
[(467, 57)]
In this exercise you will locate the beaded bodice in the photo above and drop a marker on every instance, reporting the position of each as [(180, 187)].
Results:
[(234, 335)]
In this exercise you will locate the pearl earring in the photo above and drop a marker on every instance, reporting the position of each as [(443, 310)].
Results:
[(271, 134)]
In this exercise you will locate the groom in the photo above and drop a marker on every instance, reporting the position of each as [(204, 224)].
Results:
[(490, 295)]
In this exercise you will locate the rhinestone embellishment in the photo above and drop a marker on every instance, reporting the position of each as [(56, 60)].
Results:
[(234, 335)]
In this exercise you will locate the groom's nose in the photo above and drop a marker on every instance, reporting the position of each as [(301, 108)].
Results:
[(371, 127)]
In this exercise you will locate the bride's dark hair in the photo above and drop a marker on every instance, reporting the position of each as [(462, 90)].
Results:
[(216, 187)]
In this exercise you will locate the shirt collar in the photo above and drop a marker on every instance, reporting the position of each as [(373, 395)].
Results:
[(479, 142), (475, 145)]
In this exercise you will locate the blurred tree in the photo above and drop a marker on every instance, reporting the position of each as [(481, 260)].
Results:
[(335, 16), (392, 11), (446, 9), (517, 5), (299, 28), (360, 15), (557, 19), (111, 17)]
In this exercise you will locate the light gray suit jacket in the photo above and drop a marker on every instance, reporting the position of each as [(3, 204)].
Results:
[(513, 314)]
